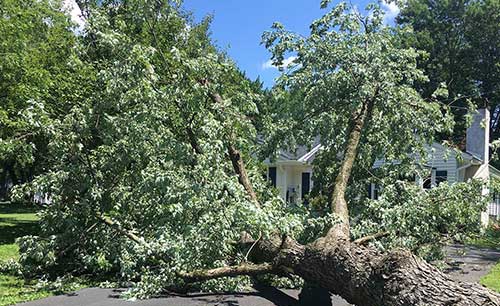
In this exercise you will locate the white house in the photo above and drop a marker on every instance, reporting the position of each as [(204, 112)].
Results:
[(291, 173)]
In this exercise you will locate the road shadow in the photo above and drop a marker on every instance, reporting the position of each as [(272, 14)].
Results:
[(273, 295), (262, 295)]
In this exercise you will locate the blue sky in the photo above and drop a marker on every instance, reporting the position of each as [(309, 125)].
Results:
[(238, 26)]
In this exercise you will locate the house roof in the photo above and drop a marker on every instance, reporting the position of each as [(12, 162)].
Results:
[(310, 155), (494, 172), (301, 154), (304, 155), (465, 155), (471, 156)]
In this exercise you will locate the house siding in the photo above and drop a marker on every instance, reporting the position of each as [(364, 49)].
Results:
[(442, 159), (439, 159)]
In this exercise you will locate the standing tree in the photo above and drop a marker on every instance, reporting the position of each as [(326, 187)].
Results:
[(39, 68), (163, 148), (463, 46)]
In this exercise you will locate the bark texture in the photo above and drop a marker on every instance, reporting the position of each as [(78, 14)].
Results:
[(339, 203), (365, 277), (248, 269), (240, 169)]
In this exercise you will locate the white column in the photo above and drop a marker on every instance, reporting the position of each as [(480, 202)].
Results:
[(485, 216)]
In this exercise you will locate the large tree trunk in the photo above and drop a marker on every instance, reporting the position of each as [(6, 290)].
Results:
[(361, 275), (366, 277)]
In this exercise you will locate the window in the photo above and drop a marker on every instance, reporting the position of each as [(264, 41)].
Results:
[(272, 175), (306, 186), (435, 178), (429, 181), (441, 176), (373, 191)]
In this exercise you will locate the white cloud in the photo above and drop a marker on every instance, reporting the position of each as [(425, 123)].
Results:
[(286, 62), (268, 65), (71, 7), (391, 11)]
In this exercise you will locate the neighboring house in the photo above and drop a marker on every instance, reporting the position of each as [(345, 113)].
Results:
[(291, 173)]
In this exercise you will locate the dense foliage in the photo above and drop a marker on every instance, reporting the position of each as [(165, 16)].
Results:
[(422, 221), (463, 51), (39, 68), (346, 60), (146, 152)]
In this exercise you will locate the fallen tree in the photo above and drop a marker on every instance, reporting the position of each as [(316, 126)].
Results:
[(361, 275), (149, 179)]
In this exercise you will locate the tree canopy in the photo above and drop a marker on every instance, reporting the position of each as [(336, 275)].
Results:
[(40, 69), (463, 52)]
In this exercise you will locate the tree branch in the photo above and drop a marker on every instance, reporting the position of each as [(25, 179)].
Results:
[(366, 239), (236, 159), (129, 234), (245, 269), (338, 202), (240, 169)]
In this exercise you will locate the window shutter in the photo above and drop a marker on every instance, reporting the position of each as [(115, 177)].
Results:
[(272, 175)]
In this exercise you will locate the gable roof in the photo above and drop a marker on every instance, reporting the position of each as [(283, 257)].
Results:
[(309, 156), (304, 155)]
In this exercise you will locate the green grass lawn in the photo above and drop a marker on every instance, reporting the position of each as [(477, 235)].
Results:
[(492, 279), (490, 239), (16, 221)]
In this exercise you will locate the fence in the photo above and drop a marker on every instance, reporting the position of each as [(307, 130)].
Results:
[(494, 207)]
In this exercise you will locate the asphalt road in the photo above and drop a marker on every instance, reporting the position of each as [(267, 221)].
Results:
[(111, 297), (469, 264)]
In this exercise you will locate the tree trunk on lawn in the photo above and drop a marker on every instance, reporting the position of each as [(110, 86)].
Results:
[(366, 277)]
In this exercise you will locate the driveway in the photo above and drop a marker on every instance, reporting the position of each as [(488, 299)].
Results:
[(265, 296), (466, 263)]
